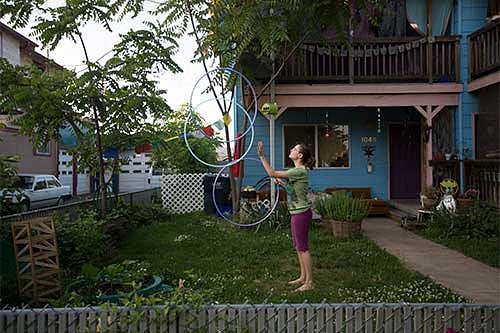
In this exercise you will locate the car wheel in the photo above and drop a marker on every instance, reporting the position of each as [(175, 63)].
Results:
[(25, 206), (60, 202)]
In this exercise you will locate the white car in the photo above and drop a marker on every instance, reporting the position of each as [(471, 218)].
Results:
[(39, 191)]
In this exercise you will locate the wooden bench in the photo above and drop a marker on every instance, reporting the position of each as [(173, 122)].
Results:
[(376, 206)]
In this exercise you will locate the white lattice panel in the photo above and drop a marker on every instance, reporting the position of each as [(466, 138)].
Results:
[(182, 193)]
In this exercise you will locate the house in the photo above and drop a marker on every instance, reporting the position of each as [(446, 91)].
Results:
[(403, 105), (19, 50)]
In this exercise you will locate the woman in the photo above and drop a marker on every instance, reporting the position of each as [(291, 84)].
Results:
[(298, 206)]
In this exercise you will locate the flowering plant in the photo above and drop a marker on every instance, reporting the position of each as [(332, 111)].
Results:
[(471, 193)]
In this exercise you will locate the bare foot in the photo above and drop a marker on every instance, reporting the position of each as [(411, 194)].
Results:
[(305, 287), (295, 282)]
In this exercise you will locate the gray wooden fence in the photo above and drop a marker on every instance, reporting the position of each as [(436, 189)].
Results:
[(304, 317)]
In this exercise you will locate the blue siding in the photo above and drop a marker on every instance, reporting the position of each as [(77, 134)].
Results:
[(473, 16), (358, 120), (468, 16)]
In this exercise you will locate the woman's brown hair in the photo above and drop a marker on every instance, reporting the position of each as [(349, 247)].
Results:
[(307, 158)]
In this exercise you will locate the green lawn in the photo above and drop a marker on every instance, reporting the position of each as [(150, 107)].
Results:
[(484, 250), (235, 265)]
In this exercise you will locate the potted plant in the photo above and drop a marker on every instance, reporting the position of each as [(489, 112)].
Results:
[(344, 213), (467, 199), (115, 282), (428, 197), (320, 206)]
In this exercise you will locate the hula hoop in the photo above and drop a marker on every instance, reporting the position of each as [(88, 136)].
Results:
[(207, 74), (241, 224), (215, 139), (218, 165)]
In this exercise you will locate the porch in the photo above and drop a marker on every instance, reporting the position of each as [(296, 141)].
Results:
[(394, 59), (482, 175)]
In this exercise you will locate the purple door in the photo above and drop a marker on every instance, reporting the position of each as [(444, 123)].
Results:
[(404, 143)]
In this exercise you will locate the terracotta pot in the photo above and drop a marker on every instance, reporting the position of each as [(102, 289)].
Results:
[(343, 229), (428, 203), (465, 202)]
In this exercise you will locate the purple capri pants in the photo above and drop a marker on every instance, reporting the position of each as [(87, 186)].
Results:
[(300, 230)]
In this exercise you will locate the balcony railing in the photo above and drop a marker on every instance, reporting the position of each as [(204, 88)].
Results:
[(484, 50), (434, 59), (482, 175)]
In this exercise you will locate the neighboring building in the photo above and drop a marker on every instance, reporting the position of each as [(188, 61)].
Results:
[(19, 50), (414, 98), (136, 174)]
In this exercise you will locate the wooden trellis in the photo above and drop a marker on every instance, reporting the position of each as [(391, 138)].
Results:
[(37, 261)]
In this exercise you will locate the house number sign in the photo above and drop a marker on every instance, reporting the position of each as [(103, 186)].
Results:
[(368, 139)]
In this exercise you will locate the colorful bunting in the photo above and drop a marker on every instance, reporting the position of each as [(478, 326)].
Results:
[(227, 119)]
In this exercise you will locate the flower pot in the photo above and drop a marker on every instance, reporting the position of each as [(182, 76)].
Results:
[(465, 202), (325, 223), (428, 203), (342, 229), (78, 286)]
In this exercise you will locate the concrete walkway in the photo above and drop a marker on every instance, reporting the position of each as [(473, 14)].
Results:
[(465, 276)]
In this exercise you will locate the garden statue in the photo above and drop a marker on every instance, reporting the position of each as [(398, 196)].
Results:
[(449, 187)]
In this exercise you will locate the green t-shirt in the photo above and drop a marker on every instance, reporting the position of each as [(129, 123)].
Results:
[(298, 184)]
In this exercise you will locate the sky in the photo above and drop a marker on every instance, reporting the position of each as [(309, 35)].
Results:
[(99, 42)]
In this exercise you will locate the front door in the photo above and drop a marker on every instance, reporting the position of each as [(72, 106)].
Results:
[(404, 143)]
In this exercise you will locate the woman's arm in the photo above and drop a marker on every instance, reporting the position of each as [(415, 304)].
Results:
[(270, 171)]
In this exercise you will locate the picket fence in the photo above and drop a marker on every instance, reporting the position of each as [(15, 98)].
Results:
[(348, 318)]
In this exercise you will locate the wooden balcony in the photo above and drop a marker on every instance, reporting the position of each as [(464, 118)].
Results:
[(484, 50), (376, 60)]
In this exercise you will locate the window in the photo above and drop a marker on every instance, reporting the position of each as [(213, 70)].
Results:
[(297, 134), (43, 150), (25, 182), (52, 182), (329, 145), (40, 185), (333, 146)]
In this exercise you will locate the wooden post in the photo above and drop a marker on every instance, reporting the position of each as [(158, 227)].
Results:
[(75, 174), (429, 40), (428, 114), (428, 174), (351, 54)]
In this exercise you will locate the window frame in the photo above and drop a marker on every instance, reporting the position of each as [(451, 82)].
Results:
[(37, 151), (39, 181), (316, 144)]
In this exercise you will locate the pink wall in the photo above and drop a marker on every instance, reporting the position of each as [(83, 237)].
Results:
[(13, 144)]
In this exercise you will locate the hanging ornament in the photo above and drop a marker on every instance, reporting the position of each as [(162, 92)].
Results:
[(327, 126), (378, 121)]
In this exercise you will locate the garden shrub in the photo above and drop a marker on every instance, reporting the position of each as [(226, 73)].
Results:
[(81, 240), (475, 222), (125, 218)]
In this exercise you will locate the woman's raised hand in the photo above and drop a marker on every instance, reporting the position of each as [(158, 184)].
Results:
[(260, 149)]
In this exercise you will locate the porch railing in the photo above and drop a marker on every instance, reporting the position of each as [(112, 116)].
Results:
[(484, 176), (442, 169), (348, 318), (484, 50), (434, 59)]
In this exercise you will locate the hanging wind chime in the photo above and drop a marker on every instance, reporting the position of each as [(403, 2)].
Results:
[(378, 121), (327, 126)]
